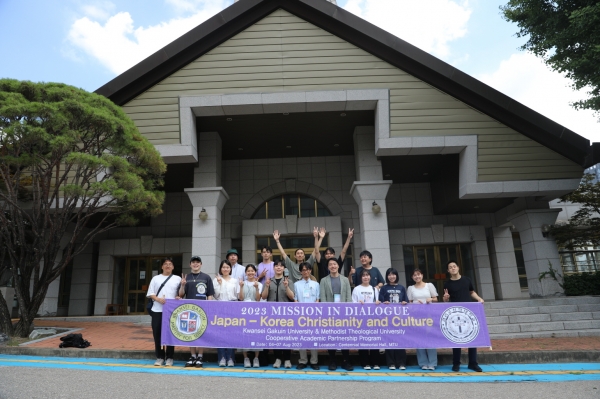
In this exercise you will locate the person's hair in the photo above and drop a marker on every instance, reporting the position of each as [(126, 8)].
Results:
[(167, 259), (250, 266), (365, 273), (336, 261), (224, 262), (279, 262), (452, 261), (417, 270), (269, 249), (303, 265), (393, 271), (329, 249), (368, 254), (299, 249)]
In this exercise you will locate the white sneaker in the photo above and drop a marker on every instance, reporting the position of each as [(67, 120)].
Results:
[(431, 368), (256, 363), (169, 363), (424, 368), (222, 362), (392, 367), (247, 363), (287, 364), (158, 362), (230, 363), (402, 367), (367, 367), (375, 367), (277, 364)]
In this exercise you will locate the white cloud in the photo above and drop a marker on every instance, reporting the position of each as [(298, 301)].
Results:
[(100, 10), (528, 80), (118, 44), (427, 24)]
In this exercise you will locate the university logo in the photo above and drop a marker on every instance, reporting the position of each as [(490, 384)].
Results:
[(459, 325), (188, 322)]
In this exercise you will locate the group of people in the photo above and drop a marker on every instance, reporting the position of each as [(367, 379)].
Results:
[(292, 280)]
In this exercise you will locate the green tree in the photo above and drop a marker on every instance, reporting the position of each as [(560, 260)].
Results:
[(72, 166), (583, 228), (566, 35)]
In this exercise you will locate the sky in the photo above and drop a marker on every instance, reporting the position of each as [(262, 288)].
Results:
[(86, 43)]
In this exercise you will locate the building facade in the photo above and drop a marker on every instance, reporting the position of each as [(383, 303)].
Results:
[(289, 114)]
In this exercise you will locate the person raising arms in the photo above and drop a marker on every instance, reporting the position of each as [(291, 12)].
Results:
[(329, 253), (292, 266)]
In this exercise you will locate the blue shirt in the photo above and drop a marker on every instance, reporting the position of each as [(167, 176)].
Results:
[(307, 291)]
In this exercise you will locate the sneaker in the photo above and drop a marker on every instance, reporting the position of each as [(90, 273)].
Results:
[(431, 368), (247, 363), (222, 362), (367, 367), (198, 364), (424, 368), (230, 363), (169, 363), (456, 367), (158, 362), (381, 351), (347, 366), (287, 364), (332, 366), (402, 367), (256, 363), (277, 364), (190, 362), (376, 367), (315, 367), (475, 367), (392, 367), (300, 366)]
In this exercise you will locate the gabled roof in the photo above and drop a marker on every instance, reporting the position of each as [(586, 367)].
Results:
[(368, 37)]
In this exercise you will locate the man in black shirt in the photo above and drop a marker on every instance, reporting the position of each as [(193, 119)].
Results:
[(330, 253), (460, 289), (196, 285)]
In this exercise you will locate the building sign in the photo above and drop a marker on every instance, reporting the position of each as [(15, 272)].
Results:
[(278, 325)]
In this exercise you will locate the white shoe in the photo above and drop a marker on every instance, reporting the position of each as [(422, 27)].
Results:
[(256, 363), (367, 367), (230, 363), (392, 367), (169, 363), (247, 363), (222, 362), (424, 368), (277, 364), (375, 367), (402, 367), (158, 362), (287, 364), (431, 368)]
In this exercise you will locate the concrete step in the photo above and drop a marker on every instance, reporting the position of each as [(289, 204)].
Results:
[(552, 326), (542, 317), (558, 301), (549, 334)]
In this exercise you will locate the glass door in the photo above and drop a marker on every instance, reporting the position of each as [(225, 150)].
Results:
[(137, 285)]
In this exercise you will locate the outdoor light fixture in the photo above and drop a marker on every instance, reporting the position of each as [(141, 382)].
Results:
[(545, 230), (203, 215), (376, 208)]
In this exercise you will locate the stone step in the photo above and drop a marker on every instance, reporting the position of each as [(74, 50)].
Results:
[(532, 310), (549, 334), (536, 318), (558, 301), (556, 326)]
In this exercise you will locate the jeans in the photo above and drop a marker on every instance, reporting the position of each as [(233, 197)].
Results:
[(427, 357), (156, 330), (226, 353), (472, 356)]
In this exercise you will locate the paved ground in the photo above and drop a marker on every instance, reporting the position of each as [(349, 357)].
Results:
[(26, 380), (139, 337)]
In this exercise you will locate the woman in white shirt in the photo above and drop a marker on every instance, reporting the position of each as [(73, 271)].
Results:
[(250, 292), (367, 294), (226, 289), (423, 293)]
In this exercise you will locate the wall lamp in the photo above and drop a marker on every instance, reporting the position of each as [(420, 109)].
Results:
[(203, 215), (546, 230), (376, 208)]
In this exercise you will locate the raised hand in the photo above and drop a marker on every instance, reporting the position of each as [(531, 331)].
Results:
[(446, 296), (315, 231), (268, 282), (352, 270), (276, 235), (322, 232), (256, 284), (241, 283), (219, 279), (350, 233), (263, 274), (183, 280), (285, 282)]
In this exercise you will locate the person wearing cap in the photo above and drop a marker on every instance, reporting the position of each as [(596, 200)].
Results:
[(199, 286), (237, 271)]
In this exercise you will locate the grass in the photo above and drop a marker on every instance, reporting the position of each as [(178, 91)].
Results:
[(16, 341)]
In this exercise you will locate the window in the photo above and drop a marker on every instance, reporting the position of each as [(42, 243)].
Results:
[(580, 260), (520, 261), (291, 204)]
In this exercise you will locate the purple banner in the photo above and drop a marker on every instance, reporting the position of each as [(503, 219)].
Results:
[(277, 325)]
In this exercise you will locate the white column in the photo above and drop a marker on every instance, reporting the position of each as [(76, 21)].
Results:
[(504, 263), (206, 234), (538, 250)]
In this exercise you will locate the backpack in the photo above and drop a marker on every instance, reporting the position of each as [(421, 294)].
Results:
[(73, 341)]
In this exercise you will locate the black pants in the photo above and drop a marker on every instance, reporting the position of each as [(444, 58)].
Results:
[(282, 354), (368, 357), (345, 355), (472, 356), (156, 330), (395, 357)]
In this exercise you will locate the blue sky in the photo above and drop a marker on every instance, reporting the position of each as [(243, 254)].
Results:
[(86, 43)]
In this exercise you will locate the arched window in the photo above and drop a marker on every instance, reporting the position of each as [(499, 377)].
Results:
[(300, 205)]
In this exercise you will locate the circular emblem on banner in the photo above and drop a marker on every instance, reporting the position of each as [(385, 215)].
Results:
[(188, 322), (459, 325)]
